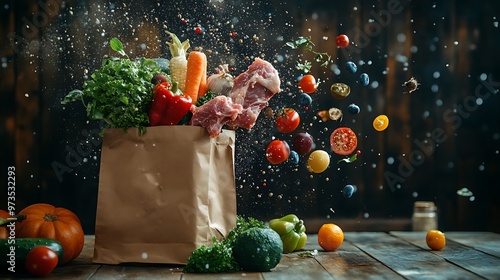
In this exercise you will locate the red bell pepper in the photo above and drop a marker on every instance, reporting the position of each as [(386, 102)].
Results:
[(169, 105)]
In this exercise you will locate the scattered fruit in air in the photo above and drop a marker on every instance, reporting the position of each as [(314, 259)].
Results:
[(351, 67), (198, 30), (302, 143), (308, 84), (288, 120), (340, 90), (348, 190), (318, 161), (330, 237), (305, 99), (277, 151), (435, 239), (381, 122), (364, 79), (411, 85), (333, 114), (342, 41), (343, 141), (353, 109), (294, 157)]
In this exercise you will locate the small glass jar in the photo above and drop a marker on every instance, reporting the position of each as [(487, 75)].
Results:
[(424, 216)]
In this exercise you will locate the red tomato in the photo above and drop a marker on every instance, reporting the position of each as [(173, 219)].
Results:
[(308, 84), (342, 41), (343, 141), (41, 261), (277, 151), (288, 120)]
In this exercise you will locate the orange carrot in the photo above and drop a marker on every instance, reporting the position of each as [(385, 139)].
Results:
[(203, 84), (196, 69)]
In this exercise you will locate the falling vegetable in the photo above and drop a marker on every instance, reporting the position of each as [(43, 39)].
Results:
[(195, 74), (178, 62)]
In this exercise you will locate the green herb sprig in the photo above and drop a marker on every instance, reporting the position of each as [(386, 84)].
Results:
[(321, 57)]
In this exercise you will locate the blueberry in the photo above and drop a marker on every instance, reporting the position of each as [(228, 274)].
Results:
[(351, 67), (353, 109), (305, 99), (364, 79), (294, 157), (348, 191)]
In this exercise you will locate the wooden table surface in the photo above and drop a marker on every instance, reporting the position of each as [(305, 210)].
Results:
[(363, 255)]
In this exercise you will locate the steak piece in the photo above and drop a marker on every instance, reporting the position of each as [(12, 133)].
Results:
[(253, 89), (215, 113)]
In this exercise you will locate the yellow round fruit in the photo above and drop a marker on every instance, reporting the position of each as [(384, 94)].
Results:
[(318, 161)]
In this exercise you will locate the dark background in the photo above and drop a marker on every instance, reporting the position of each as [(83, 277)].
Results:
[(48, 47)]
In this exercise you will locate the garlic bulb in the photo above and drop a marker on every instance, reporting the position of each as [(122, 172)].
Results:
[(221, 82)]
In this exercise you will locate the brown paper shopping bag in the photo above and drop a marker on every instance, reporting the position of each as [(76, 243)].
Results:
[(163, 194)]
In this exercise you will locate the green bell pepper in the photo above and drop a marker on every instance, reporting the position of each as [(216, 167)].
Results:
[(292, 232)]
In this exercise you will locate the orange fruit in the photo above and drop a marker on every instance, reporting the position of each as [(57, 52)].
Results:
[(435, 239), (330, 237)]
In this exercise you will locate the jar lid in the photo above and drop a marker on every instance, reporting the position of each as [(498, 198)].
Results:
[(428, 205)]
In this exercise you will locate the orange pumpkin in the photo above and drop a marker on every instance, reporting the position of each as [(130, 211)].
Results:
[(4, 231), (45, 220)]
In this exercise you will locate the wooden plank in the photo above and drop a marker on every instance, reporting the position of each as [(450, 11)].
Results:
[(137, 271), (294, 267), (64, 272), (349, 262), (468, 258), (487, 242), (405, 259), (223, 276)]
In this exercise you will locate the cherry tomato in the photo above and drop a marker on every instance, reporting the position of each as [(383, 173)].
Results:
[(302, 143), (308, 84), (343, 141), (318, 161), (41, 261), (381, 122), (342, 41), (277, 151), (288, 120)]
